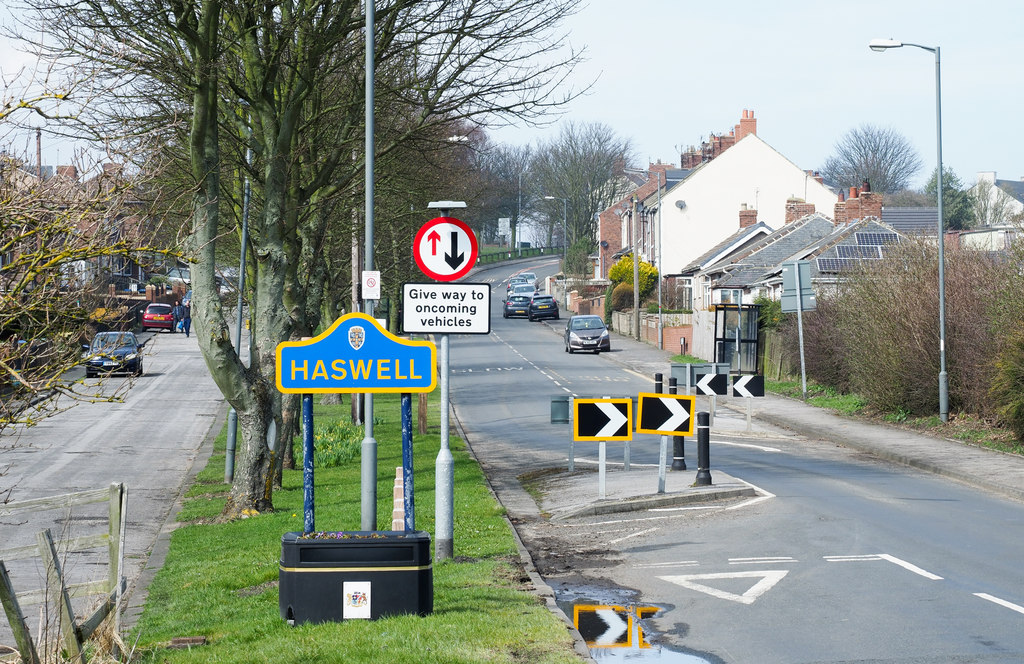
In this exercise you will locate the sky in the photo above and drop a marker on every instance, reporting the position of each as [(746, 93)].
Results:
[(670, 72), (667, 73)]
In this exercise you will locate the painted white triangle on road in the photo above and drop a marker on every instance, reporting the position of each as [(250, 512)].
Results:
[(768, 578)]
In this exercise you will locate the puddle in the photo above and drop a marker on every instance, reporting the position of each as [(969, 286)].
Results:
[(616, 627)]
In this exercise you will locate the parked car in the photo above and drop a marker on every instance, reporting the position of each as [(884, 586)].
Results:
[(113, 352), (587, 332), (517, 305), (158, 316), (543, 306), (179, 275)]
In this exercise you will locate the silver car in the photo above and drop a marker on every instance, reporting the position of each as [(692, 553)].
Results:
[(587, 332)]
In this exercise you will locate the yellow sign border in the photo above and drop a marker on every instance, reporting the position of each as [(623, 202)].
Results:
[(661, 395)]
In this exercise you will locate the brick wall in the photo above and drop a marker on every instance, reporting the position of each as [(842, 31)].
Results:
[(747, 218), (798, 209)]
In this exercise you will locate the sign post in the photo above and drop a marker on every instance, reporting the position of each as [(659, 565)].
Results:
[(603, 420), (445, 249)]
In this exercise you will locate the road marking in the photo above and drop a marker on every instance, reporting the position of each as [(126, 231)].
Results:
[(762, 448), (768, 578), (636, 534), (685, 509), (765, 560), (1001, 602), (677, 563), (884, 556), (762, 495)]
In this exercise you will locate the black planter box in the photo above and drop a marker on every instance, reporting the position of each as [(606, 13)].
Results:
[(366, 574)]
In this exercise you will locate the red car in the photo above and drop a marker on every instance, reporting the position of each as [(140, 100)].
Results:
[(158, 316)]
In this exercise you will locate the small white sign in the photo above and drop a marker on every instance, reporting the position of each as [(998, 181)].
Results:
[(446, 308), (371, 285), (356, 597)]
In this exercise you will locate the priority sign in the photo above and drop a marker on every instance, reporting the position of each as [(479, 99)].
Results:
[(445, 248), (665, 414), (603, 419), (748, 386)]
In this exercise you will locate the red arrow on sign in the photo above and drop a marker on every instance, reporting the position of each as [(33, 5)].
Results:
[(433, 239)]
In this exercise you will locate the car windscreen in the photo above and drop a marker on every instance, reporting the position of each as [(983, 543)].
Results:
[(112, 340), (593, 323)]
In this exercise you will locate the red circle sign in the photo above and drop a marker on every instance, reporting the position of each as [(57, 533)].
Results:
[(445, 249)]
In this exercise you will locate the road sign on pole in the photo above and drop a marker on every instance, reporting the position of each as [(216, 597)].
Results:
[(445, 248), (603, 419), (446, 308), (667, 414), (748, 386), (712, 384)]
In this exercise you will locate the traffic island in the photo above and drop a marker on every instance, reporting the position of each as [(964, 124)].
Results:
[(335, 576)]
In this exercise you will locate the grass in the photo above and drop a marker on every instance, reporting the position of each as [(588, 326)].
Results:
[(220, 579)]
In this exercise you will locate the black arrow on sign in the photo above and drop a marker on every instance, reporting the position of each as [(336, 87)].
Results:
[(454, 260)]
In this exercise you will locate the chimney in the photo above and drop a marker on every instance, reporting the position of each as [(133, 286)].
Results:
[(839, 215), (69, 172), (796, 208), (748, 125), (747, 217)]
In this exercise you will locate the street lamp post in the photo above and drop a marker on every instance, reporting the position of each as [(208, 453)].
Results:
[(565, 230), (661, 326), (882, 45)]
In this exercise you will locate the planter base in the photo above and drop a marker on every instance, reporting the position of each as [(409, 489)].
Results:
[(366, 574)]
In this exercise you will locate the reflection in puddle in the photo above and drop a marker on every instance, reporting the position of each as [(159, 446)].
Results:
[(616, 632)]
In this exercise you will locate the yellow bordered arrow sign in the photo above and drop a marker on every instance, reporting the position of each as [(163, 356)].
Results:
[(665, 414), (602, 419)]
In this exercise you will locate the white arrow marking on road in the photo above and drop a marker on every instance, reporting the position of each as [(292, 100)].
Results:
[(679, 415), (704, 384), (768, 578), (615, 420), (1001, 602), (616, 627), (740, 385)]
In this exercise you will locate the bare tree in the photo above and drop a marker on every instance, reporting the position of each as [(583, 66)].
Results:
[(883, 157), (990, 203), (582, 165)]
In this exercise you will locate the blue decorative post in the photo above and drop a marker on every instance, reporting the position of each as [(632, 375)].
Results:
[(308, 516), (409, 504)]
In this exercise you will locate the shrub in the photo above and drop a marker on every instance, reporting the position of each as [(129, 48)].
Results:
[(1008, 385), (622, 297), (622, 273)]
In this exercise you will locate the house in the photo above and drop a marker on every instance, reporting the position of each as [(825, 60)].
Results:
[(999, 201)]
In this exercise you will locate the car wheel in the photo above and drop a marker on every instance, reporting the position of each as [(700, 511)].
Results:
[(139, 371), (530, 316)]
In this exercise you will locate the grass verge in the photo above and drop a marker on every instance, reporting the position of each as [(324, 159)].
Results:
[(220, 579)]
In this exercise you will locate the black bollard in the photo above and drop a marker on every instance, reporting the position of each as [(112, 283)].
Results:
[(657, 383), (703, 449), (678, 449)]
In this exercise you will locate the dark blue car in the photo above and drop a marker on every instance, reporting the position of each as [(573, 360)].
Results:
[(113, 352)]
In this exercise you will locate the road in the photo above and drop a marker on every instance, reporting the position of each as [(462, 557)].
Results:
[(149, 441), (844, 558)]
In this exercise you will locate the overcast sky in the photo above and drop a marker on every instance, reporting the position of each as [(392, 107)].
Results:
[(670, 72)]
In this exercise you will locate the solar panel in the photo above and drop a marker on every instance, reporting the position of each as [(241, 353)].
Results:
[(877, 238), (832, 264), (858, 251)]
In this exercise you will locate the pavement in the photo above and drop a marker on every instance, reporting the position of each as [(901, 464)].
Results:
[(770, 416)]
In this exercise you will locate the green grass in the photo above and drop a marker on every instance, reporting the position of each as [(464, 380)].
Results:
[(220, 579)]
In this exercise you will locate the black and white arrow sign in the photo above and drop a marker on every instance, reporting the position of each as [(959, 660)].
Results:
[(748, 386), (712, 384), (667, 414), (603, 419)]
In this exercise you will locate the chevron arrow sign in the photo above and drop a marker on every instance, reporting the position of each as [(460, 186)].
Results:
[(748, 386), (712, 384), (667, 414), (603, 419)]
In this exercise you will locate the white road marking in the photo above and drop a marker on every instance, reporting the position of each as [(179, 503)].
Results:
[(764, 560), (762, 495), (677, 563), (636, 534), (763, 448), (884, 556), (913, 568), (768, 578), (685, 509), (1001, 602)]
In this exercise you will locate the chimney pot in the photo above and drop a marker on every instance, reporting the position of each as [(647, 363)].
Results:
[(853, 192)]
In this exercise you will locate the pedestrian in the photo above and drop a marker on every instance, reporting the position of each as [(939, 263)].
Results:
[(187, 320), (178, 313)]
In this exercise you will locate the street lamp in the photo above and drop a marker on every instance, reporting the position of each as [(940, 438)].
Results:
[(661, 327), (882, 45), (565, 231)]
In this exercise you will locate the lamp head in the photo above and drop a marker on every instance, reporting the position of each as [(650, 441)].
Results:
[(883, 44)]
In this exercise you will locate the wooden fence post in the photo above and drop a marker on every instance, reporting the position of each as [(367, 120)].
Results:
[(16, 619), (58, 596)]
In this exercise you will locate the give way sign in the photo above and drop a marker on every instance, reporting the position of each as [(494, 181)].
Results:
[(445, 248)]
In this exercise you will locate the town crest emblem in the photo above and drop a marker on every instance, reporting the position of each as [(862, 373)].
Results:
[(356, 337)]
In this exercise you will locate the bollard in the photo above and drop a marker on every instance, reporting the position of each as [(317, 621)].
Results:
[(678, 449), (703, 449)]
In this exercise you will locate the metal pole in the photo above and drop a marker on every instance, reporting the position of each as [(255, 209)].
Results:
[(444, 496), (565, 230), (407, 484), (661, 324), (943, 377), (703, 450), (602, 454), (229, 457), (308, 508), (678, 448), (800, 328), (368, 467), (636, 273), (663, 449)]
